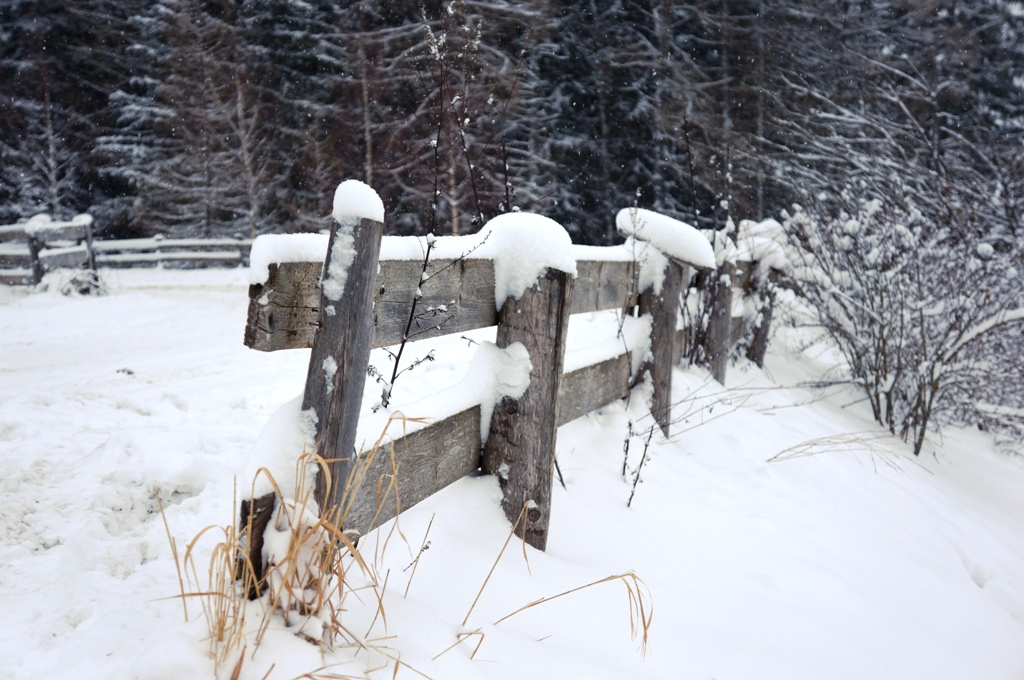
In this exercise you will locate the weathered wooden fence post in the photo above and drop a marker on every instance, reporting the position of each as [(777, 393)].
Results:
[(336, 373), (664, 310), (341, 352), (520, 449), (35, 246), (718, 342)]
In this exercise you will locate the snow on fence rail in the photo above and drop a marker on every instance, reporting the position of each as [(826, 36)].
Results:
[(289, 308)]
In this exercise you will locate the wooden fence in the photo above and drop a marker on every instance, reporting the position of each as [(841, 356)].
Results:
[(30, 250), (287, 311), (183, 253)]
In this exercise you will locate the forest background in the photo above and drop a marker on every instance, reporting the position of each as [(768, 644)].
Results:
[(225, 117)]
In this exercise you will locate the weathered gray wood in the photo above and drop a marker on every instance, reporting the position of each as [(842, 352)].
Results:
[(664, 310), (680, 344), (718, 342), (337, 363), (15, 255), (425, 461), (589, 388), (604, 285), (520, 449), (34, 246), (762, 325), (283, 311), (469, 283), (16, 277), (12, 232), (458, 296), (75, 256)]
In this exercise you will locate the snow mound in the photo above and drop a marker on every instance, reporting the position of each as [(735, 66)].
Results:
[(762, 242), (674, 238), (523, 245), (356, 200)]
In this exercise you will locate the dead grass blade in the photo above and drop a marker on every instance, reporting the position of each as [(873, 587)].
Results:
[(881, 445), (641, 607), (494, 566)]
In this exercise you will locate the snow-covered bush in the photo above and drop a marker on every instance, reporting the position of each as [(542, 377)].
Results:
[(918, 310)]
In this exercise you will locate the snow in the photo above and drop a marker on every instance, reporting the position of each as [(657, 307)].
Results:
[(674, 238), (762, 242), (523, 245), (844, 557), (271, 249), (43, 222), (356, 200)]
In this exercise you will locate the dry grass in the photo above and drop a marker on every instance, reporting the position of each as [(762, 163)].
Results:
[(881, 446), (306, 577), (312, 568)]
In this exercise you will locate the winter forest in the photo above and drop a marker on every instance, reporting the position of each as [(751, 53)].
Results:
[(217, 117)]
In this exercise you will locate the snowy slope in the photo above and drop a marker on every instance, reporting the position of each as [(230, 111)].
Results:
[(842, 558)]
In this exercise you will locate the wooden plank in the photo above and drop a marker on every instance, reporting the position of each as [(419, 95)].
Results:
[(426, 461), (283, 311), (718, 345), (664, 310), (520, 449), (458, 296), (13, 232), (15, 255), (279, 322), (72, 257), (153, 244), (64, 232), (591, 387), (602, 284), (16, 277)]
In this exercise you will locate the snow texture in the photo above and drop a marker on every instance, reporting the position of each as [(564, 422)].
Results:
[(271, 249), (672, 237), (343, 254), (523, 245), (284, 438), (355, 200), (846, 558), (42, 222), (762, 242), (492, 374)]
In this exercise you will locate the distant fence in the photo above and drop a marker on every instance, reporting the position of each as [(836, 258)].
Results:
[(287, 311), (183, 253), (29, 250)]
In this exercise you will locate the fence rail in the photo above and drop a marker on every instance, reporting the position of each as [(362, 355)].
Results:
[(28, 251)]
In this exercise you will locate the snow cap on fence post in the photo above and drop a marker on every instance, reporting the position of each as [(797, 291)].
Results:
[(353, 201), (524, 245)]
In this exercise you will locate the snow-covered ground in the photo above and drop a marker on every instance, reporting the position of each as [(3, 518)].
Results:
[(844, 557)]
